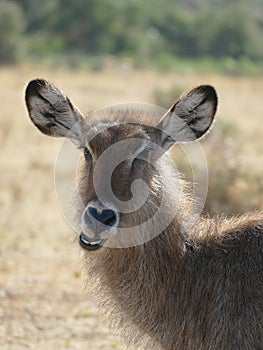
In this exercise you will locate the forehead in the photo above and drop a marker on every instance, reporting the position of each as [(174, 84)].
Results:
[(101, 135)]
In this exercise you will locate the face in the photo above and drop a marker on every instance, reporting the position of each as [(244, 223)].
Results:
[(114, 160), (121, 182)]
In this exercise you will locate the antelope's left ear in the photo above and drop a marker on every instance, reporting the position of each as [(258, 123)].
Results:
[(190, 117)]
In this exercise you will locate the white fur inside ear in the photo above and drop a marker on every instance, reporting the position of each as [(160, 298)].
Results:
[(56, 98), (177, 128), (190, 117)]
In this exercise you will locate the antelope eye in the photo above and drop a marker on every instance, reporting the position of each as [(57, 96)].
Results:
[(87, 154), (135, 163), (140, 159)]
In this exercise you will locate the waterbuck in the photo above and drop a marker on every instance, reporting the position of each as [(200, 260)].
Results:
[(165, 277)]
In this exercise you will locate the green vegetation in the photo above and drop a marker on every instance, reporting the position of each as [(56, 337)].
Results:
[(217, 34), (11, 28)]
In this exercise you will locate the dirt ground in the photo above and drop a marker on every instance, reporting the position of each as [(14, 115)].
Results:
[(43, 300)]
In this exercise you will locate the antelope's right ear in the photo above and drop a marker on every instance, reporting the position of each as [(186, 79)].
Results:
[(190, 117), (52, 112)]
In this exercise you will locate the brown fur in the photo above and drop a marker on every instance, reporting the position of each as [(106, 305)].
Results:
[(183, 290), (197, 285), (207, 295)]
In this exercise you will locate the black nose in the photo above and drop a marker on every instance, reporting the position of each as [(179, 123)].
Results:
[(106, 217)]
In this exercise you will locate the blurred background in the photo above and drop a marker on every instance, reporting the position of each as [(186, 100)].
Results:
[(104, 52), (219, 35)]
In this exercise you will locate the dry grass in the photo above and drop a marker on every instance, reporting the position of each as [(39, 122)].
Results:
[(43, 301)]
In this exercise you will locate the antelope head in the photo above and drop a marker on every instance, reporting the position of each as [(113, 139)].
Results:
[(123, 147)]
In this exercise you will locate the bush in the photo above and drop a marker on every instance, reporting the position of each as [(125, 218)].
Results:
[(165, 98), (11, 28), (232, 188)]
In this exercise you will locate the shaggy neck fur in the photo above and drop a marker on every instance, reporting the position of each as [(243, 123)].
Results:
[(178, 292)]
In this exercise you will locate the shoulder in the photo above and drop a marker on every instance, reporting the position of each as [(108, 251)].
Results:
[(250, 223), (239, 237)]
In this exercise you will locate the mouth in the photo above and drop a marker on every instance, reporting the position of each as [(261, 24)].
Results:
[(90, 244)]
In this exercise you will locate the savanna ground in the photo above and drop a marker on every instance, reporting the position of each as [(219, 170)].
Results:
[(43, 300)]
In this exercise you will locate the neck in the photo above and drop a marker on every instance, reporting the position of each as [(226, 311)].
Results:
[(132, 280)]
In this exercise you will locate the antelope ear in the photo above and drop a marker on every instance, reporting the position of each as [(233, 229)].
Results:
[(52, 112), (190, 117)]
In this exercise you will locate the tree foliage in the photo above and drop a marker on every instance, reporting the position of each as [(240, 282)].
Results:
[(11, 26), (142, 30)]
